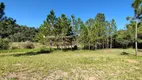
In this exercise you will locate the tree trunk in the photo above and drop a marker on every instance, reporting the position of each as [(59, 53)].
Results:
[(62, 45), (96, 46), (57, 46), (111, 42), (103, 44), (50, 45), (84, 45), (71, 45), (76, 42), (136, 44), (108, 42), (89, 46)]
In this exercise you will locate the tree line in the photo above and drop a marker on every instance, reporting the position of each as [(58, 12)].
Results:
[(64, 31), (95, 33), (14, 32)]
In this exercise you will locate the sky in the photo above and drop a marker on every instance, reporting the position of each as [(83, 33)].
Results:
[(33, 12)]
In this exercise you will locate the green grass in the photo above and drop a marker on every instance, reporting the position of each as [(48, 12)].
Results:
[(71, 65)]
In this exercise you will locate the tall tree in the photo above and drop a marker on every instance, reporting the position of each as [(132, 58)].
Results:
[(113, 30), (100, 21), (137, 5), (89, 24), (108, 33), (56, 29), (76, 25), (2, 7), (47, 29)]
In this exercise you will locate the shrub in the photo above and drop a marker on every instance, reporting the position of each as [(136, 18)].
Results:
[(28, 45), (4, 44), (15, 47)]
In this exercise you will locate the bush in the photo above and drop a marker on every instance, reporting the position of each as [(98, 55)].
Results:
[(28, 45), (4, 44), (15, 47)]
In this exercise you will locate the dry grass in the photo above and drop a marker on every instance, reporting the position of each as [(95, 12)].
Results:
[(20, 45), (72, 65)]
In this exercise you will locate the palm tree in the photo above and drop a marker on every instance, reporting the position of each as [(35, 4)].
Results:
[(138, 12)]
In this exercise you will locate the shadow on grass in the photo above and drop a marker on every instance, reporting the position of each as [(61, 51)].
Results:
[(130, 55), (42, 51), (124, 53), (31, 53), (139, 50), (69, 49), (75, 48)]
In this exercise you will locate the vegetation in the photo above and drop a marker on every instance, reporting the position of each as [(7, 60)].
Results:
[(138, 12), (65, 32), (84, 65), (14, 32), (95, 33), (87, 48), (28, 45), (4, 44)]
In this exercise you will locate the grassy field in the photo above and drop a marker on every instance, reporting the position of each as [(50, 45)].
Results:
[(70, 65)]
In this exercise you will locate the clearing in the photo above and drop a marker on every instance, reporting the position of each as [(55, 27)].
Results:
[(71, 65)]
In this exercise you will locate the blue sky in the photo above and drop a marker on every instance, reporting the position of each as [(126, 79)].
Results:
[(33, 12)]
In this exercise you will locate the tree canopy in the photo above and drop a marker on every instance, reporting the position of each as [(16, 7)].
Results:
[(14, 32), (95, 33)]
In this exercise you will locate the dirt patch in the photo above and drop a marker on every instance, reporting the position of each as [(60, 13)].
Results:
[(107, 51), (22, 76), (92, 78), (15, 76), (57, 75), (132, 61), (75, 74)]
